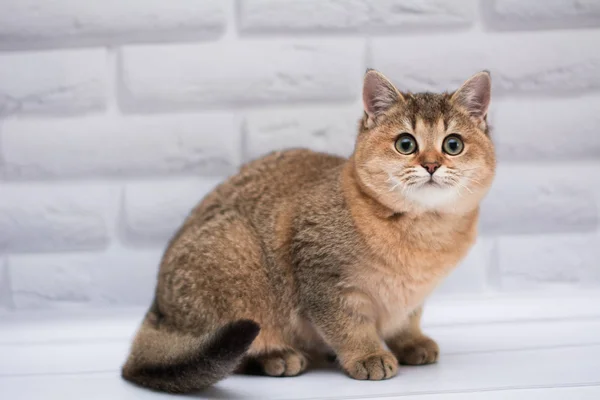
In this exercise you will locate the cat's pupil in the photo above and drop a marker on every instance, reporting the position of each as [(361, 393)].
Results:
[(406, 144), (453, 144)]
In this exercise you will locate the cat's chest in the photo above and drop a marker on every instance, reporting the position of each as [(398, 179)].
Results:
[(401, 280), (406, 259), (397, 295)]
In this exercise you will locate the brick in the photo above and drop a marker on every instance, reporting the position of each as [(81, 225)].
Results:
[(54, 217), (542, 198), (353, 15), (248, 73), (531, 63), (208, 144), (153, 211), (547, 129), (50, 82), (116, 277), (544, 261), (470, 276), (549, 14), (39, 23), (327, 129)]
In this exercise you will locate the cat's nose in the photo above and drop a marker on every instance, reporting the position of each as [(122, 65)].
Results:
[(430, 167)]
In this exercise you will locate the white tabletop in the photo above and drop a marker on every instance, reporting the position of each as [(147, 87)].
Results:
[(492, 348)]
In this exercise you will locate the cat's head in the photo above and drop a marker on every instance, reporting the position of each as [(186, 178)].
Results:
[(425, 151)]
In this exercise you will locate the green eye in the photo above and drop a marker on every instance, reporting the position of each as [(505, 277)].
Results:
[(453, 145), (406, 144)]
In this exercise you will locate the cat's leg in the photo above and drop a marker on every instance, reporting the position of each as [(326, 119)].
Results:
[(347, 324), (411, 346)]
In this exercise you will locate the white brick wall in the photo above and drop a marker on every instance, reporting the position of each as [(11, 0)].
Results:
[(98, 145), (241, 73), (117, 117), (57, 23), (560, 259), (332, 129), (529, 198), (52, 82), (522, 63), (5, 293), (54, 217), (547, 14), (152, 211), (547, 129), (116, 277), (276, 16)]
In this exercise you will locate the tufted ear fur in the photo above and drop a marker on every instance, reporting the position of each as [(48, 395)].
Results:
[(474, 95), (379, 94)]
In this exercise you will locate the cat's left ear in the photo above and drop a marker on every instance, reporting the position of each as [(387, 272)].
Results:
[(474, 95), (379, 94)]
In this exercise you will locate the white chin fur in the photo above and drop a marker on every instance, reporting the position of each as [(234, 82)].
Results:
[(433, 197)]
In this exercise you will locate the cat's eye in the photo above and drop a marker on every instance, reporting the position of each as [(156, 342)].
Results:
[(453, 145), (406, 144)]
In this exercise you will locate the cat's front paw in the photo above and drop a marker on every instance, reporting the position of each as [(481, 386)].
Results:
[(288, 363), (373, 367), (418, 351)]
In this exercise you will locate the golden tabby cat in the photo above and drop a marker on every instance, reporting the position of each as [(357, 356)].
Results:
[(303, 253)]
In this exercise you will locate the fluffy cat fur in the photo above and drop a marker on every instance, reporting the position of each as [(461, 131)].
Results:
[(303, 253)]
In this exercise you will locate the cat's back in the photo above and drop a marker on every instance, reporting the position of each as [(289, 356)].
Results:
[(285, 170), (265, 184)]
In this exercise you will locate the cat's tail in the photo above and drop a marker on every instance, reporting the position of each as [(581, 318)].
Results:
[(168, 361)]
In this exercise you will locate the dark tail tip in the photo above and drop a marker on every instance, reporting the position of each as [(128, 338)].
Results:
[(219, 358), (232, 340)]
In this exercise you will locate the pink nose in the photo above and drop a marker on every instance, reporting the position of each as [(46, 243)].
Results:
[(430, 167)]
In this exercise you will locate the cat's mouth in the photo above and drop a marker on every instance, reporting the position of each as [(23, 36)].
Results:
[(432, 182)]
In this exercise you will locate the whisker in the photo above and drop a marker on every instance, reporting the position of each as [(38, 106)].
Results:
[(395, 186), (472, 180), (457, 188), (461, 185)]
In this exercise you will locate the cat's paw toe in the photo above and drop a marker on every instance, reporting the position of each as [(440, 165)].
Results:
[(373, 367), (289, 363), (420, 351)]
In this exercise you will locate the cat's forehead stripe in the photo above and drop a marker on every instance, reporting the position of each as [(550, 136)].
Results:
[(430, 107)]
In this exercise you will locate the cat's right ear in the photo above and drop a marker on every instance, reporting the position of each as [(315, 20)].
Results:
[(379, 94)]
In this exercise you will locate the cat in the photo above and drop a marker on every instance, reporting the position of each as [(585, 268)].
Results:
[(303, 253)]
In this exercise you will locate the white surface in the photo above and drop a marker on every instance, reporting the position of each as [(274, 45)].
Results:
[(490, 350)]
